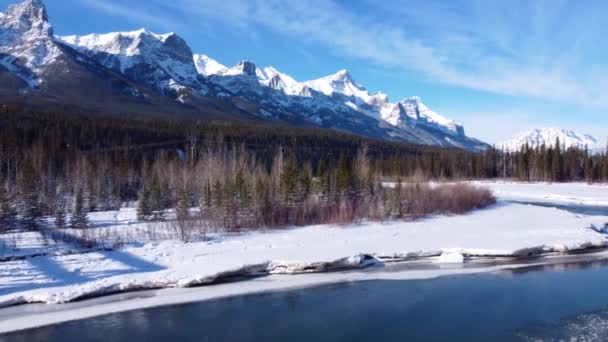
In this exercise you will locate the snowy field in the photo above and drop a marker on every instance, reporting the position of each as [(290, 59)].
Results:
[(561, 193), (62, 273)]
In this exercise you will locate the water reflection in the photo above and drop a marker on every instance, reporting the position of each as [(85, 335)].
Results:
[(573, 208), (511, 305)]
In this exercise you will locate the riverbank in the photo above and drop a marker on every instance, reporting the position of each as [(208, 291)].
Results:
[(504, 230), (516, 233), (32, 316)]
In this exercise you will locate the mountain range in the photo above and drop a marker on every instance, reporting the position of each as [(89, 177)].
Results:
[(549, 136), (141, 73)]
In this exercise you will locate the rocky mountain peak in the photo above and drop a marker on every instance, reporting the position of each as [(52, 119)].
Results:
[(247, 68), (25, 21)]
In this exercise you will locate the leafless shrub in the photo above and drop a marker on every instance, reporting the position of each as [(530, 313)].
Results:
[(191, 229), (404, 202)]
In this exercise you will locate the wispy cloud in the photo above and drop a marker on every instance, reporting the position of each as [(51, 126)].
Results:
[(523, 48), (496, 127), (140, 15)]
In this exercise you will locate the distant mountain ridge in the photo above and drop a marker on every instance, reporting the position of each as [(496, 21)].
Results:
[(144, 72), (549, 136)]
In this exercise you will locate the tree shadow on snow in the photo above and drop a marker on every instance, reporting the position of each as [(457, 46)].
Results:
[(55, 274)]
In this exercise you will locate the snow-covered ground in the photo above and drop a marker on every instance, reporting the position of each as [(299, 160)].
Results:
[(64, 273), (562, 193)]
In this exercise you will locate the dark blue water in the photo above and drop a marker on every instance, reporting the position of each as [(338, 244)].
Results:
[(546, 303), (573, 208)]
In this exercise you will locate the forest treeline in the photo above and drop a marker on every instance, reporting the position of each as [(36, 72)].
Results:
[(64, 166)]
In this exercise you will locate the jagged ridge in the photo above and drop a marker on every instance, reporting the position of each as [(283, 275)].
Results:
[(142, 61), (549, 136)]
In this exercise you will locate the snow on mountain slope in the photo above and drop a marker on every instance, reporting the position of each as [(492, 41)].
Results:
[(340, 82), (26, 44), (342, 91), (162, 61), (207, 66), (125, 45), (143, 66), (548, 137), (378, 105), (418, 110), (275, 79)]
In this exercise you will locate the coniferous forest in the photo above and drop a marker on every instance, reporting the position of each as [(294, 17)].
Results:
[(243, 174)]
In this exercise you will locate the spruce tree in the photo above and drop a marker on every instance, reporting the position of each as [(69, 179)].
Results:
[(80, 212), (304, 184), (218, 194), (60, 209), (30, 208), (343, 177), (8, 216), (182, 210), (289, 181), (144, 210), (557, 162), (206, 197), (323, 182), (157, 201), (60, 212)]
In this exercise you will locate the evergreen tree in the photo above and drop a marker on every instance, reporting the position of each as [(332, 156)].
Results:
[(61, 208), (60, 213), (144, 208), (8, 216), (557, 162), (183, 205), (157, 200), (343, 177), (30, 208), (80, 213), (322, 185), (289, 181), (206, 200), (304, 184), (218, 194)]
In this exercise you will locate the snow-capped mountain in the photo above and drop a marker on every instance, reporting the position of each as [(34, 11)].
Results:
[(143, 72), (548, 137), (162, 61), (26, 45), (207, 66), (410, 119)]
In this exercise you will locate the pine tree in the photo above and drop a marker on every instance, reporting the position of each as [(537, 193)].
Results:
[(343, 177), (323, 182), (144, 210), (218, 194), (30, 208), (289, 181), (8, 216), (304, 184), (60, 213), (60, 210), (206, 197), (157, 201), (182, 209), (557, 162), (80, 213)]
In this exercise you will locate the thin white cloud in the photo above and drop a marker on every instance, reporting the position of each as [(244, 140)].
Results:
[(497, 127), (501, 47), (134, 14)]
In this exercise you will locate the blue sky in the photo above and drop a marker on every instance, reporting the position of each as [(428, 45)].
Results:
[(497, 66)]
